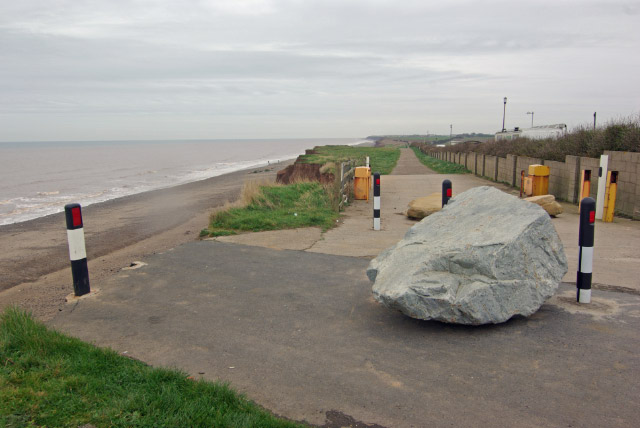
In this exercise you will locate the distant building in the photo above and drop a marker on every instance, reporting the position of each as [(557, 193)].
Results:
[(535, 133)]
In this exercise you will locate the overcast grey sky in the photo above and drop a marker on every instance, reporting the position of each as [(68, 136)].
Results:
[(117, 69)]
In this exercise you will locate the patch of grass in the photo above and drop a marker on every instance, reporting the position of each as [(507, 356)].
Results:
[(381, 159), (274, 207), (49, 379), (439, 166), (219, 232)]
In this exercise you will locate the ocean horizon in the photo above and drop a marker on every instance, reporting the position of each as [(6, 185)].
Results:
[(39, 178)]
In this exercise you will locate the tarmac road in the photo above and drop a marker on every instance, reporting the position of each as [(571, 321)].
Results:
[(299, 333)]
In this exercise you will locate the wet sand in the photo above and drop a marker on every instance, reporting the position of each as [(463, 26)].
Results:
[(34, 261)]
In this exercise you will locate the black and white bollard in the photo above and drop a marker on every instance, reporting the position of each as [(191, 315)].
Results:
[(376, 201), (446, 192), (585, 254), (77, 249)]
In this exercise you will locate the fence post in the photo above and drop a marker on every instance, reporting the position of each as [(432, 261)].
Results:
[(376, 201), (77, 249), (585, 253)]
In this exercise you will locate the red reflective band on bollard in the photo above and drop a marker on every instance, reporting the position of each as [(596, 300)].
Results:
[(378, 181), (449, 193), (77, 216), (592, 217)]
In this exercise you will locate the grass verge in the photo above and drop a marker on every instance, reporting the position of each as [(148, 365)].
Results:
[(439, 166), (381, 159), (273, 207), (50, 379)]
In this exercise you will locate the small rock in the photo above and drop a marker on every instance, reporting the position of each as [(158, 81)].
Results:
[(422, 207), (548, 203)]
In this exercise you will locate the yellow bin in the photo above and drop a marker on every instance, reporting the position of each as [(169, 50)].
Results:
[(539, 179), (362, 183)]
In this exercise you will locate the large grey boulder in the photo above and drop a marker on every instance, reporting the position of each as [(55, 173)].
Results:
[(485, 257)]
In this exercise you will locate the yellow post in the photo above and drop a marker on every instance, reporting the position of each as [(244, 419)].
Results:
[(610, 196), (585, 185)]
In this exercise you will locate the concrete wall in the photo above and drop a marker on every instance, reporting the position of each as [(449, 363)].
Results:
[(490, 167), (564, 177), (504, 172), (558, 179), (522, 163), (628, 166), (572, 165), (472, 164)]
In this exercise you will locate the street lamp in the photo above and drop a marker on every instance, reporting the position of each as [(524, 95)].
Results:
[(504, 113), (450, 132), (531, 113)]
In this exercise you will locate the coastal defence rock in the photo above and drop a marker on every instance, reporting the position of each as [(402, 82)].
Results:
[(485, 257), (422, 207)]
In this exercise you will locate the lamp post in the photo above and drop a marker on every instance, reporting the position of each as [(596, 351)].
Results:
[(531, 113), (450, 132), (504, 113)]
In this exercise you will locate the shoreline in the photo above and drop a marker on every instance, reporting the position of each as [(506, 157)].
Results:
[(34, 263)]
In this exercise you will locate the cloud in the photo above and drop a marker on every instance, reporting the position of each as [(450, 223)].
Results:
[(397, 67)]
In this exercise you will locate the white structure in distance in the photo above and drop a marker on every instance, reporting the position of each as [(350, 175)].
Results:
[(535, 133)]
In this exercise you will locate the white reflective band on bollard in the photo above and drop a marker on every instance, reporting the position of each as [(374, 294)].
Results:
[(584, 296), (586, 259), (77, 249)]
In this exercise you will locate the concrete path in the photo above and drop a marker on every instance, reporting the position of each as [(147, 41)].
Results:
[(616, 261), (299, 333), (408, 164)]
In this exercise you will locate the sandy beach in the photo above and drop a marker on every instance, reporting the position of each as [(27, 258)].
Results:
[(34, 262)]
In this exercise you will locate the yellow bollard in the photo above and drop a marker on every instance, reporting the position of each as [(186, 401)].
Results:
[(585, 185), (610, 196), (539, 179), (362, 183)]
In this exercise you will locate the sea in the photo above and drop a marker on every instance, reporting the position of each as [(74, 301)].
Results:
[(40, 178)]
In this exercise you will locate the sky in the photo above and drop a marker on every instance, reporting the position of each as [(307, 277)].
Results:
[(200, 69)]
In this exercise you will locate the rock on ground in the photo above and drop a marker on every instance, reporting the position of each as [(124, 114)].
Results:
[(422, 207), (485, 257), (548, 203)]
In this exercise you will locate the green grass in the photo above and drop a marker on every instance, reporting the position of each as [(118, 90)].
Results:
[(279, 207), (48, 379), (439, 166), (381, 159)]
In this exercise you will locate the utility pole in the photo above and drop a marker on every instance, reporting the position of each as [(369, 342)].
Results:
[(531, 113), (450, 132), (504, 113), (594, 120)]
